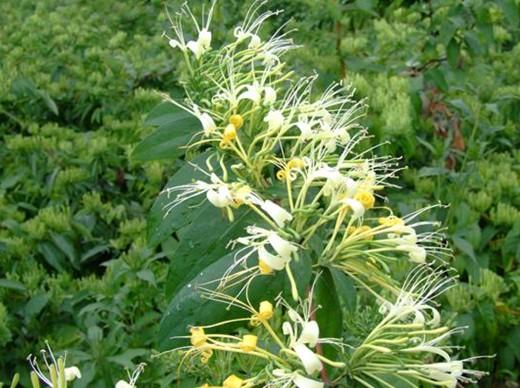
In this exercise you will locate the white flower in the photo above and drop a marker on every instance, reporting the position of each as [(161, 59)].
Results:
[(174, 43), (72, 373), (260, 240), (276, 212), (208, 124), (220, 197), (269, 95), (124, 384), (273, 261), (305, 128), (310, 361), (283, 247), (274, 120), (255, 41), (416, 253), (205, 38), (283, 378), (357, 208), (310, 333), (196, 47), (304, 382), (252, 93), (219, 193)]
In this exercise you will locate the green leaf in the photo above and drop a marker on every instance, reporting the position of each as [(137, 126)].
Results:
[(67, 247), (345, 288), (161, 225), (176, 128), (36, 304), (203, 242), (125, 359), (188, 308), (329, 314), (147, 275), (511, 11), (54, 257), (12, 284), (452, 51)]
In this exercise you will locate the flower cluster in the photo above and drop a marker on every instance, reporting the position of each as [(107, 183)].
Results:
[(295, 159)]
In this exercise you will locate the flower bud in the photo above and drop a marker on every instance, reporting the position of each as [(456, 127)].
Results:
[(237, 121), (248, 343), (232, 382)]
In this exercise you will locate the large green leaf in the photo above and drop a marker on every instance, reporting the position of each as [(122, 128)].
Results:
[(202, 242), (345, 289), (188, 308), (176, 128), (162, 225), (329, 314)]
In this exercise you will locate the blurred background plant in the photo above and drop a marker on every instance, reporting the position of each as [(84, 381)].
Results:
[(76, 79)]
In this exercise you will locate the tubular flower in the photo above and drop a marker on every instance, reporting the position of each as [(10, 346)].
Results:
[(233, 382), (276, 212), (274, 120), (284, 378), (72, 373), (269, 95), (259, 239), (366, 199), (230, 134), (237, 121), (219, 193), (198, 337), (248, 343), (253, 93), (265, 313)]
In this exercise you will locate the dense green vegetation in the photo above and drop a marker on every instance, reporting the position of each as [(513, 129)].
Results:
[(76, 81)]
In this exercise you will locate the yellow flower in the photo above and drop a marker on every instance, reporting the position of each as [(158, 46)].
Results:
[(237, 121), (264, 268), (198, 337), (366, 198), (363, 229), (248, 343), (281, 175), (230, 134), (265, 313), (232, 382), (390, 221), (295, 163), (266, 310), (206, 355)]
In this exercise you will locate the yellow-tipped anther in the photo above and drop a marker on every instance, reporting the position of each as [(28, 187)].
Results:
[(390, 221), (264, 268), (35, 381), (198, 337), (232, 382), (295, 163), (266, 310), (237, 121), (281, 175), (366, 199), (248, 343)]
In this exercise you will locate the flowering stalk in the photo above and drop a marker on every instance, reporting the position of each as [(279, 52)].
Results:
[(295, 159)]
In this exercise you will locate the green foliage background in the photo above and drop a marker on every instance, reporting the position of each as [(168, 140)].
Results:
[(76, 81)]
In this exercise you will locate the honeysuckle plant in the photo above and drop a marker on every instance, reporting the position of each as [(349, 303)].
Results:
[(277, 225)]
